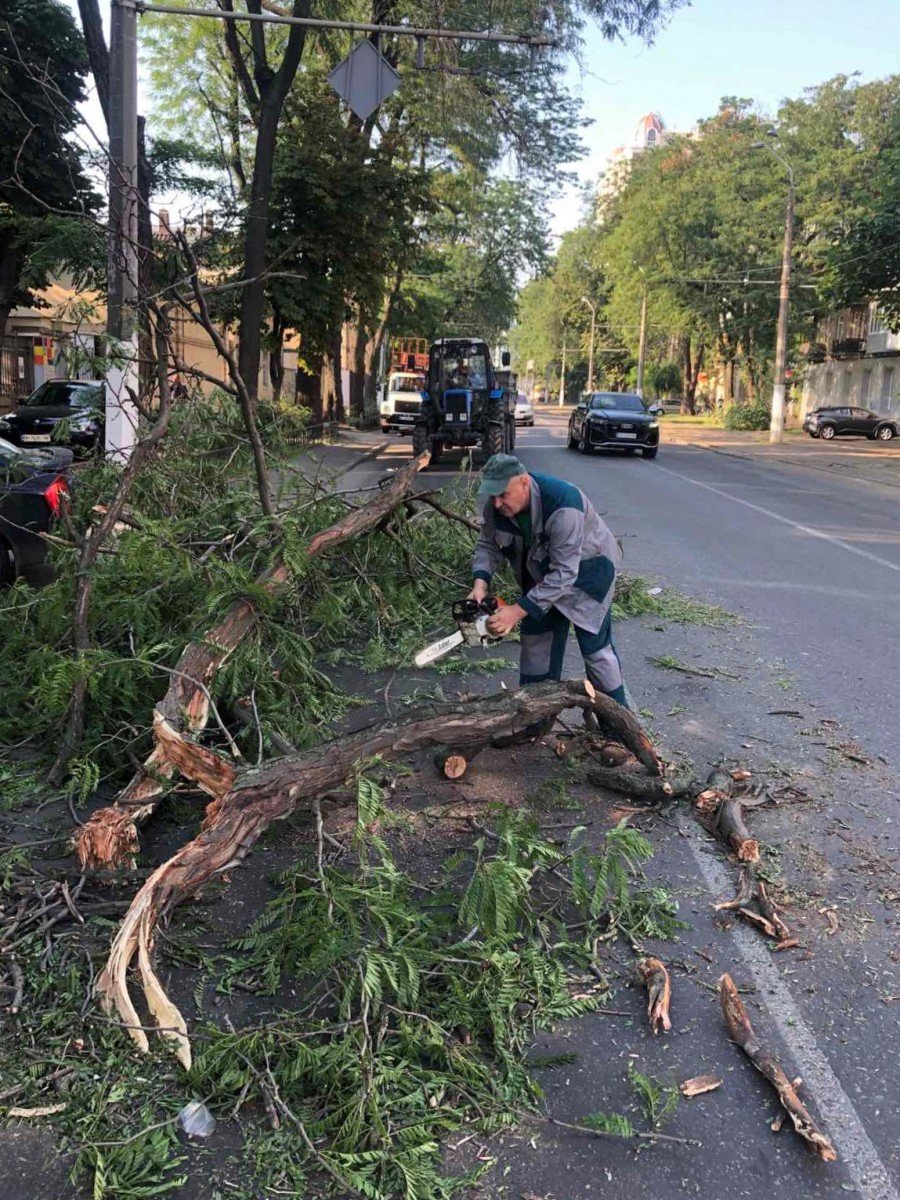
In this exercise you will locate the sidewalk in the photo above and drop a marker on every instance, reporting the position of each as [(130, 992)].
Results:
[(872, 462)]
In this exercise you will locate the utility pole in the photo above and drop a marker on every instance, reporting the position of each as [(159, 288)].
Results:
[(776, 423), (592, 307), (776, 427), (642, 345), (122, 349), (562, 373)]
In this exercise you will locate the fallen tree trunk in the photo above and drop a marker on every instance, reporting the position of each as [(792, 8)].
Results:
[(246, 802), (639, 784), (109, 838), (655, 978), (742, 1033)]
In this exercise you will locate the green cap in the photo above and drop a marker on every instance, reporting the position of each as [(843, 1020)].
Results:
[(498, 471)]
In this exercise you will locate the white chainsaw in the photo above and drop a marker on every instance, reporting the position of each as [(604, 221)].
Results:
[(471, 618)]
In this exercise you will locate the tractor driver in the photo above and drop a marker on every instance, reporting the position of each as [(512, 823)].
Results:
[(564, 559)]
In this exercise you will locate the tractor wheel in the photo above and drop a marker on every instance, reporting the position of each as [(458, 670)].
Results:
[(437, 449), (494, 438), (419, 439), (512, 436)]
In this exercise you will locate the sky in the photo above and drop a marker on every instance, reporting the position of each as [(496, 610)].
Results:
[(764, 49)]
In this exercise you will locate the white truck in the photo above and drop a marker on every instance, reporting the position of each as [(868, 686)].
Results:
[(402, 401)]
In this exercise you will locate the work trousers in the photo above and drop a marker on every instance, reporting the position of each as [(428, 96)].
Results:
[(543, 648)]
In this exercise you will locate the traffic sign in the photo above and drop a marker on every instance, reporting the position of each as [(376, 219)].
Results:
[(365, 79)]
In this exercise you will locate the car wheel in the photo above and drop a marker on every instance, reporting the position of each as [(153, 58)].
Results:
[(573, 441), (884, 433), (827, 432), (650, 451), (583, 444), (812, 435)]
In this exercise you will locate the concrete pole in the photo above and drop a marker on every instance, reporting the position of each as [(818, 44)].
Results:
[(562, 375), (776, 426), (592, 307), (642, 346), (122, 350)]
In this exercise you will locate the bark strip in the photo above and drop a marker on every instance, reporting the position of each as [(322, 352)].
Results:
[(742, 1033), (655, 978)]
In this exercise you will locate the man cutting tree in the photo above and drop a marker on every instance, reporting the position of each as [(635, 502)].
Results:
[(564, 559)]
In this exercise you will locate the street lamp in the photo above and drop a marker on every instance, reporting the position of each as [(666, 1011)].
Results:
[(584, 300), (776, 424)]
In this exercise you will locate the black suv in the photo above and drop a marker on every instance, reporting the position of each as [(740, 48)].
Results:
[(614, 419), (33, 488), (78, 403), (859, 422)]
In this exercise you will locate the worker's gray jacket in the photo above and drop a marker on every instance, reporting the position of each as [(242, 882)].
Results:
[(572, 562)]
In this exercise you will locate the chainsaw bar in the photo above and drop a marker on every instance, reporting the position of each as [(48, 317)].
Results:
[(438, 649)]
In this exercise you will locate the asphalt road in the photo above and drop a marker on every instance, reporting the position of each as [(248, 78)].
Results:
[(812, 560), (811, 564)]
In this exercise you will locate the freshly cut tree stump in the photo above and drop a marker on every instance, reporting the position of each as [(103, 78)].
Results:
[(452, 766), (655, 977), (109, 838), (245, 803), (742, 1033)]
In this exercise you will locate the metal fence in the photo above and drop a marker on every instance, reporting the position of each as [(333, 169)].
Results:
[(16, 370)]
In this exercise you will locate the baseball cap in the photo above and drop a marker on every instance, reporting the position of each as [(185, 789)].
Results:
[(498, 471)]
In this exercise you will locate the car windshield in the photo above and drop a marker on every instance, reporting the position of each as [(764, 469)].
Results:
[(522, 400), (8, 451), (55, 392), (618, 400), (405, 383)]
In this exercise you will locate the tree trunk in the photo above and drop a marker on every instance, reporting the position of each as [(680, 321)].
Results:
[(10, 269), (691, 373), (245, 804)]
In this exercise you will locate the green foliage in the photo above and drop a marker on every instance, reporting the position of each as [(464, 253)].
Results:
[(419, 1002), (198, 543), (657, 1098), (614, 1123), (635, 597), (43, 187), (747, 417)]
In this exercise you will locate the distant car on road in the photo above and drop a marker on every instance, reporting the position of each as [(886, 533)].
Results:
[(524, 410), (78, 403), (402, 403), (614, 419), (33, 488), (856, 422)]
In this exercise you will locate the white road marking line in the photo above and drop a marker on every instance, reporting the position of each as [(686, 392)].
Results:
[(841, 1119), (767, 512)]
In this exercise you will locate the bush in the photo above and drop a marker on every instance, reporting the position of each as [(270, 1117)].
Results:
[(747, 416)]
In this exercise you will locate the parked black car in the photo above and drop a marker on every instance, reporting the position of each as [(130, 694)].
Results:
[(859, 422), (33, 488), (619, 419), (80, 404)]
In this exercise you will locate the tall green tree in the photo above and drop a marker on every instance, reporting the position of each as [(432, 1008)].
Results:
[(44, 190)]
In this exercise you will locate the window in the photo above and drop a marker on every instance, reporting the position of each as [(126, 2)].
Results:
[(405, 383), (887, 388), (651, 137), (866, 387), (83, 395), (859, 414), (621, 401)]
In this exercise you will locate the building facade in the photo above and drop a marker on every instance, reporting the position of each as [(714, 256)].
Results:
[(855, 361)]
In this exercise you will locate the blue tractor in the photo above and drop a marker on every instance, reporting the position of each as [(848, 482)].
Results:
[(463, 403)]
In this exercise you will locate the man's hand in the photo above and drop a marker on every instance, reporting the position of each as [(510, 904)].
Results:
[(505, 619), (479, 591)]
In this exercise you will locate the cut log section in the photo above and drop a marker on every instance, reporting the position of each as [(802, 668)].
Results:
[(742, 1033), (109, 838), (655, 978), (452, 766), (239, 814), (730, 826), (639, 784)]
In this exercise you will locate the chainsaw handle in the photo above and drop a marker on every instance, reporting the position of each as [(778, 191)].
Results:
[(469, 609)]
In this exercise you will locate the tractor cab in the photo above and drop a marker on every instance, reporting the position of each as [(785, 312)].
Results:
[(463, 404)]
